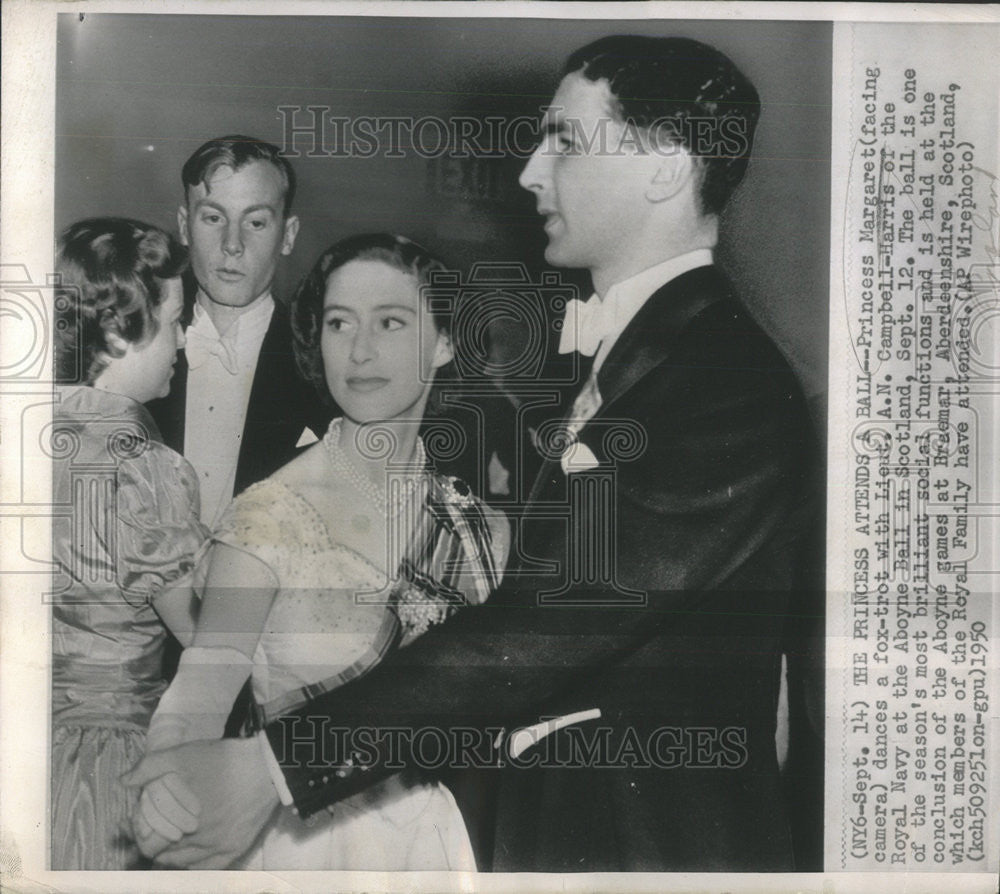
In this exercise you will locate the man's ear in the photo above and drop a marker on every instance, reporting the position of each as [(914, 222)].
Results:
[(182, 225), (444, 352), (291, 231), (675, 171)]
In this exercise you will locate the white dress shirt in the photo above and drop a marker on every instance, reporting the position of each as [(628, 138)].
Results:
[(218, 392), (624, 299), (604, 321)]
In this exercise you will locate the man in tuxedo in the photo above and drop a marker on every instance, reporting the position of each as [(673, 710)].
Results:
[(237, 408), (624, 680)]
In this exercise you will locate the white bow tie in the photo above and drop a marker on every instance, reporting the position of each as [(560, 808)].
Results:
[(585, 325), (200, 347)]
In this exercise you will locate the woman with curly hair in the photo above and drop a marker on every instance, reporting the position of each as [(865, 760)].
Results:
[(130, 532)]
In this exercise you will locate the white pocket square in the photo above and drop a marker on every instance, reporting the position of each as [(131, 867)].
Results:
[(499, 476), (307, 437), (578, 457)]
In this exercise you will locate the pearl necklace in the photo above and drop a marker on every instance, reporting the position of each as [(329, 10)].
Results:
[(402, 493)]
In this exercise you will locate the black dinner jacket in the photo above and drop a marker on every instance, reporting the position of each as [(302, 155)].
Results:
[(281, 405), (712, 499)]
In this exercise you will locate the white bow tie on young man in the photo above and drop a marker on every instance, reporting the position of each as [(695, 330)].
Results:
[(589, 324), (201, 345), (585, 325)]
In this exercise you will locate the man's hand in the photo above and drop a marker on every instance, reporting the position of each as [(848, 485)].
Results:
[(167, 811), (234, 791)]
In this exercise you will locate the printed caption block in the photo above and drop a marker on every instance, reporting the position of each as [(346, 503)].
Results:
[(912, 729)]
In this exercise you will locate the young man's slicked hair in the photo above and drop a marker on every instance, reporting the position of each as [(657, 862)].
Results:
[(235, 151), (667, 84)]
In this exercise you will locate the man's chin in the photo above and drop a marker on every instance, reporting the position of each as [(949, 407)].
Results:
[(558, 256), (229, 298)]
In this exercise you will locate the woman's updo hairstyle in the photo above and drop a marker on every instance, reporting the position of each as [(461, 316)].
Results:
[(109, 273)]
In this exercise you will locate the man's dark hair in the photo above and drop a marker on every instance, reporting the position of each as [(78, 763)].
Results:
[(667, 84), (235, 151)]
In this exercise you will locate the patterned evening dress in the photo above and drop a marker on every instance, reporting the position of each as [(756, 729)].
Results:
[(323, 630), (129, 527)]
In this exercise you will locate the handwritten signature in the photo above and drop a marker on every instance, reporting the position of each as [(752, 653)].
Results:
[(989, 222)]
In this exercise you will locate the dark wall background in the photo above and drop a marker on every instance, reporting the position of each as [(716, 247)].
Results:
[(136, 94)]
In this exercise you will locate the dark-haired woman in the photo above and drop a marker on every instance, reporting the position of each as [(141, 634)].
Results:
[(123, 551), (352, 549)]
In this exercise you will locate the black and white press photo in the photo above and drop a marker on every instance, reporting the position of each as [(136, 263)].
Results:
[(492, 438), (548, 431)]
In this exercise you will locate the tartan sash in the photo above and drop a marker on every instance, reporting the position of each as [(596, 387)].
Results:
[(448, 563)]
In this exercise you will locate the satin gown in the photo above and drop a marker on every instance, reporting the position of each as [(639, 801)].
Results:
[(321, 633), (125, 526)]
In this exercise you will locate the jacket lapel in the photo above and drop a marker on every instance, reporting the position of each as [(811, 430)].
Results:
[(646, 342), (654, 331), (271, 406)]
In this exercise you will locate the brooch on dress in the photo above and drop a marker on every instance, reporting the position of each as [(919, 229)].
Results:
[(424, 599), (419, 610)]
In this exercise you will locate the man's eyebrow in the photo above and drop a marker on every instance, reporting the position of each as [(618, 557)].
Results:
[(261, 206), (207, 202)]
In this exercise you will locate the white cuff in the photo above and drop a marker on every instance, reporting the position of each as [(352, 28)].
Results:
[(273, 768), (528, 736)]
